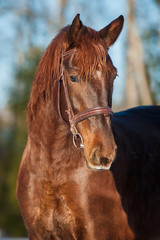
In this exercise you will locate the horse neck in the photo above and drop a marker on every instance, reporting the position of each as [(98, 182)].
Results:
[(51, 141)]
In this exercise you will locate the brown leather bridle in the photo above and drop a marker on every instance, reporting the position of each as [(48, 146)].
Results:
[(74, 119)]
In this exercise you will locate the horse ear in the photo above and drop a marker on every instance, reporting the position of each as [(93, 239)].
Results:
[(75, 30), (111, 32)]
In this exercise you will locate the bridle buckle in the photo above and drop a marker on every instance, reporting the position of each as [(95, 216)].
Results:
[(81, 145)]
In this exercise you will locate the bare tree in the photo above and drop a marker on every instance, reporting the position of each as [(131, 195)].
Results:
[(158, 4), (137, 87), (63, 4)]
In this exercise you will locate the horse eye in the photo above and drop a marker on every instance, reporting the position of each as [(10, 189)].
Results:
[(74, 78)]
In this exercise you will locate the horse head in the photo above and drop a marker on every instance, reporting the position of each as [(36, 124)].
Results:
[(89, 74)]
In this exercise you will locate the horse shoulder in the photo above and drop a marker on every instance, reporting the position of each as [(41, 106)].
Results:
[(27, 194)]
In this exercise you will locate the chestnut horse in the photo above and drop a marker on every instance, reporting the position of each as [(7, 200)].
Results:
[(61, 193)]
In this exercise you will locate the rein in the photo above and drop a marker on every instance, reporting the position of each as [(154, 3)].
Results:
[(74, 119)]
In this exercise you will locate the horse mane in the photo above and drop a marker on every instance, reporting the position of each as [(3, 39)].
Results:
[(92, 54)]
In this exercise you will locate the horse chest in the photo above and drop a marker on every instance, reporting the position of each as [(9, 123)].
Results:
[(63, 209), (81, 177)]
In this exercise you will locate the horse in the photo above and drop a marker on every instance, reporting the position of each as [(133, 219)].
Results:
[(136, 170), (80, 170)]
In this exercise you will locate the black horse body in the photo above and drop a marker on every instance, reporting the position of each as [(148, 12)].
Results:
[(137, 168)]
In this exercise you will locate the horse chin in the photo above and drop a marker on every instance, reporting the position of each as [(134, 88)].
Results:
[(98, 167)]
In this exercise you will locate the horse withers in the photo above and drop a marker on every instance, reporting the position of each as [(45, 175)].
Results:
[(61, 192)]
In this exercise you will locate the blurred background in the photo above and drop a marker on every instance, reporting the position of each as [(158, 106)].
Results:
[(26, 29)]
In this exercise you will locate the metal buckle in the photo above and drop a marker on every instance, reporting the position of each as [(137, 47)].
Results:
[(81, 139)]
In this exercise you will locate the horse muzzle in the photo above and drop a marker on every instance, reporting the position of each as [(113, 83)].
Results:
[(100, 150), (97, 161)]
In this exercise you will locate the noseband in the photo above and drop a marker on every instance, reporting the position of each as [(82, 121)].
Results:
[(74, 119)]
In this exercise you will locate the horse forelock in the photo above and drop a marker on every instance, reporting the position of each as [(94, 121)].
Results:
[(91, 54)]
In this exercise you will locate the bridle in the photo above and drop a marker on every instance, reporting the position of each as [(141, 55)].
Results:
[(74, 119)]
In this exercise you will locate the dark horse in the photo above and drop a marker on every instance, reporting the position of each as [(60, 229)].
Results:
[(72, 135)]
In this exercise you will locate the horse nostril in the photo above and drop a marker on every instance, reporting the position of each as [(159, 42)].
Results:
[(95, 159), (104, 161), (100, 160)]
